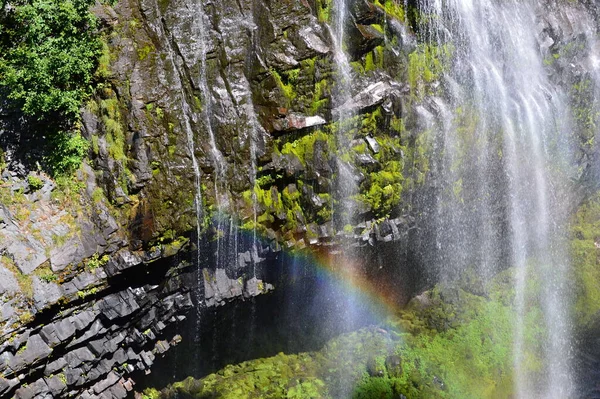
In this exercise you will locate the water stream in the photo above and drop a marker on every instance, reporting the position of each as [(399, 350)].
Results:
[(346, 185), (506, 171)]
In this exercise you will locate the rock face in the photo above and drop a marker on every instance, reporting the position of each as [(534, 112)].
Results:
[(93, 272)]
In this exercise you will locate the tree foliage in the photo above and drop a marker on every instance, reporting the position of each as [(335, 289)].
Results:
[(49, 50)]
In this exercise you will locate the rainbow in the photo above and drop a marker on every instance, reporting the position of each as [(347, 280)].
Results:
[(335, 269)]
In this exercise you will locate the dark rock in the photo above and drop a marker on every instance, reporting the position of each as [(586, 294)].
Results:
[(108, 382), (8, 282), (55, 366), (117, 305), (373, 95), (83, 319), (393, 364), (148, 358), (56, 385), (48, 333), (44, 294), (122, 261), (363, 39), (36, 350), (6, 385), (366, 160), (120, 356), (73, 375), (365, 12), (64, 329), (162, 346), (78, 356), (373, 144), (118, 391)]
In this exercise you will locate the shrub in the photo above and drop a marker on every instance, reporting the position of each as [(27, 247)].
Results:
[(49, 51), (35, 183)]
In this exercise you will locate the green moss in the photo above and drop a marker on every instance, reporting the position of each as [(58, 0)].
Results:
[(425, 65), (46, 274), (369, 64), (324, 10), (96, 261), (85, 293), (287, 88), (144, 52), (103, 71), (382, 191), (392, 8), (111, 119), (380, 388), (303, 148), (319, 100), (585, 232)]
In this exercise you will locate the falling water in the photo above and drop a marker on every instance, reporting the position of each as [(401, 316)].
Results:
[(205, 91), (346, 184), (191, 145), (207, 113), (499, 156)]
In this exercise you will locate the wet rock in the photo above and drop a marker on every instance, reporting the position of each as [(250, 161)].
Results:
[(108, 382), (372, 95), (373, 144), (118, 305), (363, 39), (123, 260), (53, 367), (393, 365), (296, 122), (6, 385), (366, 160), (287, 163), (374, 368), (365, 12), (79, 356), (313, 40)]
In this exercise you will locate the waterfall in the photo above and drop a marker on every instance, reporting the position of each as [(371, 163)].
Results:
[(499, 161), (346, 185), (206, 96)]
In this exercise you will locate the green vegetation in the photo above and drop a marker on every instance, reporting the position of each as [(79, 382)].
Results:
[(320, 97), (85, 293), (96, 261), (392, 8), (49, 52), (46, 274), (449, 343), (35, 183), (425, 65), (585, 232), (287, 86), (324, 10), (24, 281), (303, 148), (382, 190)]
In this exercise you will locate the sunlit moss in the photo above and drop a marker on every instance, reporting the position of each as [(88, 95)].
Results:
[(425, 65)]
